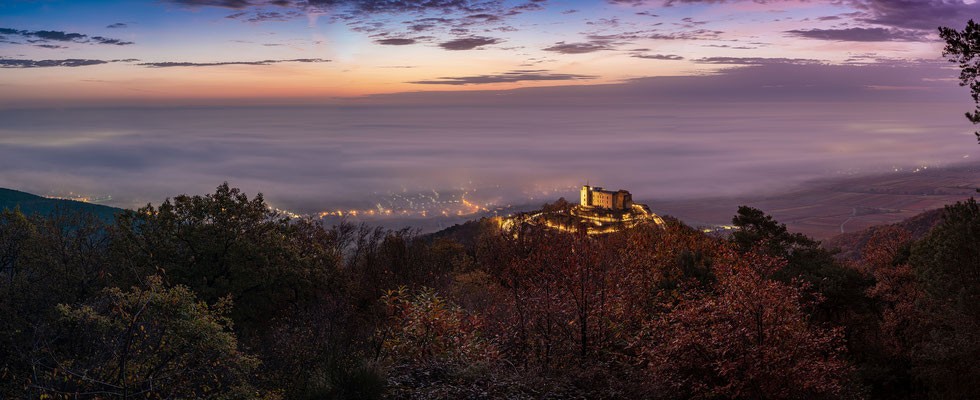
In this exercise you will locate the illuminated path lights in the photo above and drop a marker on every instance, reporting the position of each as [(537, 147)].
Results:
[(602, 221)]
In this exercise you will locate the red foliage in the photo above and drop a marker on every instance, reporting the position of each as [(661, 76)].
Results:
[(697, 317), (751, 337), (654, 266), (554, 293), (897, 290), (426, 328)]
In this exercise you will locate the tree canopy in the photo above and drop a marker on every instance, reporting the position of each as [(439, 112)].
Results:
[(218, 296), (963, 48)]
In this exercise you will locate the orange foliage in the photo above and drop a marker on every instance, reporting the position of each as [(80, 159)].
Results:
[(750, 337), (427, 328)]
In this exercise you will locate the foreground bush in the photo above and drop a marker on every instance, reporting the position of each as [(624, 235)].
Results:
[(426, 328), (153, 342)]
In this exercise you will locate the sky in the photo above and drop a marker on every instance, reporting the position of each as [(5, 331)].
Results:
[(327, 104), (204, 51)]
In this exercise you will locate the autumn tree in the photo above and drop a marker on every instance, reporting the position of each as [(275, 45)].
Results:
[(886, 344), (925, 294), (750, 337), (842, 287), (653, 267), (897, 289), (554, 291), (424, 327)]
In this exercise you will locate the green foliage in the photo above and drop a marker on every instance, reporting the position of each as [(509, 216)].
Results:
[(947, 263), (44, 261), (152, 342), (226, 244), (15, 230), (756, 228), (948, 258), (843, 287), (963, 48)]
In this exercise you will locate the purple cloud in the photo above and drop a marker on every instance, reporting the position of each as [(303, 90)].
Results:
[(756, 61), (506, 77), (167, 64), (669, 57), (71, 62), (924, 15), (579, 48), (395, 41), (469, 43), (236, 4), (860, 34), (59, 36)]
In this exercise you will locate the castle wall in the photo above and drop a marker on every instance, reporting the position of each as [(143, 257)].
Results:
[(602, 199), (596, 197), (622, 200)]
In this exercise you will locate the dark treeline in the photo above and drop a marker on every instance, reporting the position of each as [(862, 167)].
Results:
[(218, 297)]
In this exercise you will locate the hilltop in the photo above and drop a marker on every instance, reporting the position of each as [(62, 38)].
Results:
[(30, 204), (563, 216)]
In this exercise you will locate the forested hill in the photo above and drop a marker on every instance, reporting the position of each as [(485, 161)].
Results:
[(852, 244), (30, 204), (217, 296)]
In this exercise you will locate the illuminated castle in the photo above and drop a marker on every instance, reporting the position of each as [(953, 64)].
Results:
[(597, 197)]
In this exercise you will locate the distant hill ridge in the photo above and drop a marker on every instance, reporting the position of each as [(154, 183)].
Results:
[(852, 243), (30, 204)]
